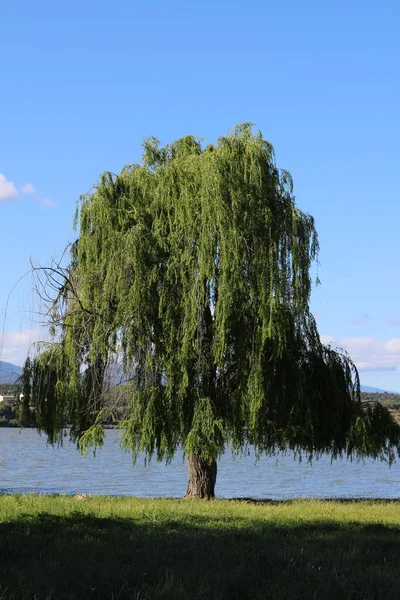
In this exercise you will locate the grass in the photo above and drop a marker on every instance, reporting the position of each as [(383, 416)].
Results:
[(118, 548)]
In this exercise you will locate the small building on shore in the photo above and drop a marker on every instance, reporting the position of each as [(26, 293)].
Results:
[(7, 399)]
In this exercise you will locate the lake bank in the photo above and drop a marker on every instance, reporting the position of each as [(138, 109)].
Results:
[(64, 548)]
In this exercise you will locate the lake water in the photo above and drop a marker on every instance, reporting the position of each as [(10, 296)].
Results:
[(29, 465)]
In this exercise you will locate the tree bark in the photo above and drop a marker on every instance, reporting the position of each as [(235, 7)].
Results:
[(202, 477)]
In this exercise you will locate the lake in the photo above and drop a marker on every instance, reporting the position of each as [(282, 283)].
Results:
[(29, 465)]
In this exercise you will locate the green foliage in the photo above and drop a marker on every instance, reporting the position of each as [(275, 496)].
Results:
[(18, 412), (386, 399), (8, 389), (24, 401), (7, 415), (192, 271)]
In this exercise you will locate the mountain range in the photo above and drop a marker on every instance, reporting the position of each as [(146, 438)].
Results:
[(9, 373), (366, 388)]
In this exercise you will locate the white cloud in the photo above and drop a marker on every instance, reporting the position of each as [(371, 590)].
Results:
[(28, 188), (47, 201), (8, 191), (358, 344), (393, 345), (369, 354), (15, 345)]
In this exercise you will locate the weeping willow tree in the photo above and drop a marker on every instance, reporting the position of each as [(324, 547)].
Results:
[(191, 272)]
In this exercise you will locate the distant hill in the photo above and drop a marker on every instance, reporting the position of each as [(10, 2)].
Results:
[(9, 373), (389, 400), (366, 388)]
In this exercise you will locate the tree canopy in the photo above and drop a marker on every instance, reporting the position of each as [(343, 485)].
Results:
[(191, 272)]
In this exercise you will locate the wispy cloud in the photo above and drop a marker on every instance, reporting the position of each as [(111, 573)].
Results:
[(393, 346), (15, 345), (8, 191), (28, 188), (47, 201), (369, 354)]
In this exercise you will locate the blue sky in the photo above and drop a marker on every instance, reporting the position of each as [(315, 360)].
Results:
[(82, 83)]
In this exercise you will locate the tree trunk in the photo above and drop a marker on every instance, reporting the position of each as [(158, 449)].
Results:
[(202, 477)]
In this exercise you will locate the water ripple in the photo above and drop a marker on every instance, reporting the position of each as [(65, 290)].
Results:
[(29, 465)]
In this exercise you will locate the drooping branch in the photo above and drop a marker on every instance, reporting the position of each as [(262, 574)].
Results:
[(191, 272)]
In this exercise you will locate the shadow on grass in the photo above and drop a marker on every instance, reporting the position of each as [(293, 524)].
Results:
[(333, 500), (82, 556)]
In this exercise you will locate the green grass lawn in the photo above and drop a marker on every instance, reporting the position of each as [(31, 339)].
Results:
[(120, 548)]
